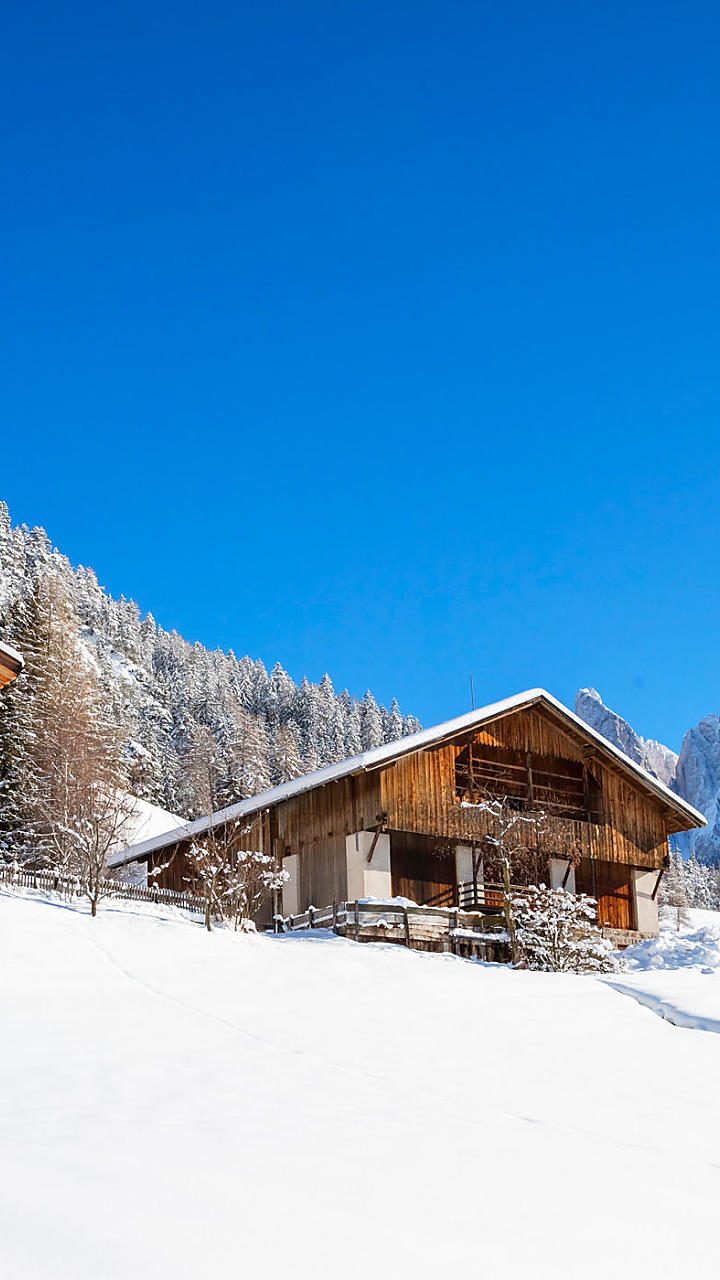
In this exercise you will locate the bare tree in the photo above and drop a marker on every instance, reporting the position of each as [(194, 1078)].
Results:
[(208, 859), (515, 850), (233, 882), (75, 801), (252, 878)]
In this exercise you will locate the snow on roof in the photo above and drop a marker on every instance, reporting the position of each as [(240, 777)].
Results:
[(147, 821), (377, 756), (7, 651)]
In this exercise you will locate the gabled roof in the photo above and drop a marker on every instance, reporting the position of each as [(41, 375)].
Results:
[(378, 756)]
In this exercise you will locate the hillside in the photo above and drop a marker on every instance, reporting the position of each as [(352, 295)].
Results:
[(185, 711), (179, 1104)]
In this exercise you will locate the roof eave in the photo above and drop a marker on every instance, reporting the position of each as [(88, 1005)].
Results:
[(378, 757)]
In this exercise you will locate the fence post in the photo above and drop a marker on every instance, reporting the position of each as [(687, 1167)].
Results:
[(406, 917), (357, 920), (334, 916), (311, 917)]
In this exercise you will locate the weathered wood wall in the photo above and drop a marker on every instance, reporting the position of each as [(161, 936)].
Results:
[(313, 825), (418, 794)]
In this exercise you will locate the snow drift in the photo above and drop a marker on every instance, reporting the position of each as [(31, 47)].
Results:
[(178, 1103)]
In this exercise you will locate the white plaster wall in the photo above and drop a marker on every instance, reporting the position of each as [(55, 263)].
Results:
[(368, 879), (558, 867), (646, 911), (463, 864), (291, 889)]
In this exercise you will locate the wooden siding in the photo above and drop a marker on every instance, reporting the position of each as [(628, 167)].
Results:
[(10, 668), (611, 885), (419, 871), (418, 794), (313, 825)]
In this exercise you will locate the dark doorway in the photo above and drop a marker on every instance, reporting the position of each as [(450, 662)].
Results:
[(422, 867)]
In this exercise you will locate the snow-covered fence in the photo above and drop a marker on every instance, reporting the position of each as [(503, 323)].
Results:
[(422, 927), (69, 886)]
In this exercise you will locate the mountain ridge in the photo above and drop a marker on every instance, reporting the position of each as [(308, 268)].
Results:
[(694, 774)]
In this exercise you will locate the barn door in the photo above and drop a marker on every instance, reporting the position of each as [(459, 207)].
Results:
[(612, 884), (419, 871)]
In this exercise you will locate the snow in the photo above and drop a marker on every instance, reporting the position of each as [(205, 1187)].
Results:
[(177, 1103), (391, 750), (144, 821), (149, 820), (678, 974)]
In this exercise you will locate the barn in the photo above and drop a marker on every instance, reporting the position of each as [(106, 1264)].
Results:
[(417, 819)]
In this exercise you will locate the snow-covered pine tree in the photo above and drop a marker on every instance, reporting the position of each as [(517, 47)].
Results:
[(673, 891), (201, 772), (308, 719), (161, 690), (371, 723), (393, 726), (280, 697), (353, 726), (285, 758)]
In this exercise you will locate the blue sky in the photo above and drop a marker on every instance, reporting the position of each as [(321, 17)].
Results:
[(380, 339)]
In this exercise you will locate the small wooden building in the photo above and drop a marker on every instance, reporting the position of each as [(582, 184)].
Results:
[(412, 818), (11, 664)]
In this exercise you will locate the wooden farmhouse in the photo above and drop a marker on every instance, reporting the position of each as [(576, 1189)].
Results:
[(418, 819), (11, 664)]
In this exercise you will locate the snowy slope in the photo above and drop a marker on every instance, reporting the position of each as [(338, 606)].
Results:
[(179, 1104), (678, 974)]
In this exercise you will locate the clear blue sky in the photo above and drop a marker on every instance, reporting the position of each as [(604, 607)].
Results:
[(378, 338)]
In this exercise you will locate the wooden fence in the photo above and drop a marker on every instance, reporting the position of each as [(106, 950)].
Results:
[(70, 887), (429, 927)]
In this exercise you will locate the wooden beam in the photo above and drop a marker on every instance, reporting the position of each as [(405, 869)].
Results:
[(376, 837), (657, 883)]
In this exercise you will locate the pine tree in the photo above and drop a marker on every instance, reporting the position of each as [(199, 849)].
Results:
[(280, 697), (371, 724), (393, 726), (673, 891), (286, 761), (161, 692), (353, 731)]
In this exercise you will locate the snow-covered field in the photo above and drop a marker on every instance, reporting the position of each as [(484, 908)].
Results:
[(178, 1104), (678, 974)]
